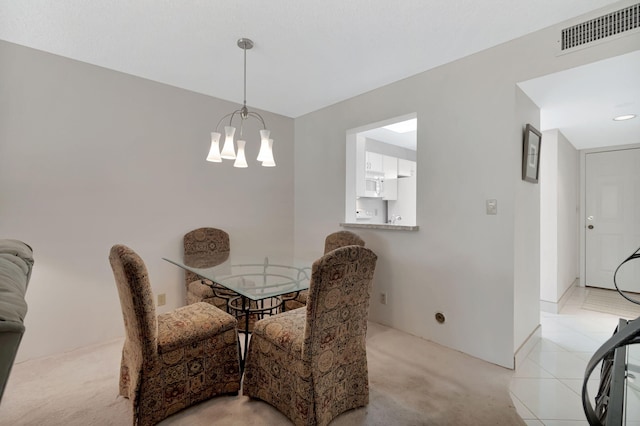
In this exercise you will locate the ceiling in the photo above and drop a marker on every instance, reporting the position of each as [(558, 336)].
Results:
[(581, 102), (307, 54), (408, 140)]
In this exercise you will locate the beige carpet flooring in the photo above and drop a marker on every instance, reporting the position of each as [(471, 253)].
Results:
[(412, 382), (611, 302)]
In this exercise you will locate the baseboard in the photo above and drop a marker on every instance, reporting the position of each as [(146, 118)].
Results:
[(549, 307), (555, 308), (526, 347)]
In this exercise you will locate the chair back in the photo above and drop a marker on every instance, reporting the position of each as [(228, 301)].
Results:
[(136, 300), (341, 239), (204, 248), (338, 305)]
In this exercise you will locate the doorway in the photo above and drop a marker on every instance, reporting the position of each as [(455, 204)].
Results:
[(581, 103)]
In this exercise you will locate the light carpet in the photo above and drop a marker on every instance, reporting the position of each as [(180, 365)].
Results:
[(611, 302), (412, 382)]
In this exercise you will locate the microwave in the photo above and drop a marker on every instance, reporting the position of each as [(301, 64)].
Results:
[(373, 186)]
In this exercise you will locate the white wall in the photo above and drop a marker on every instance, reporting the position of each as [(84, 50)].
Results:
[(90, 158), (559, 218), (568, 214), (461, 261), (470, 266), (526, 244), (549, 218)]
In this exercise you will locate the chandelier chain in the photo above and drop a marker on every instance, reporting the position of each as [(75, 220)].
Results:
[(245, 81)]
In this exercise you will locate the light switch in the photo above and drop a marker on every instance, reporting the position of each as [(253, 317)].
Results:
[(492, 207)]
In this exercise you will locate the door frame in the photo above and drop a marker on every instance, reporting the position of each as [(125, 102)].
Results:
[(583, 203)]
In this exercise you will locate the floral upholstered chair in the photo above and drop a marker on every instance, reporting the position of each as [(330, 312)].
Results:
[(311, 363), (331, 242), (204, 248), (175, 359), (340, 239)]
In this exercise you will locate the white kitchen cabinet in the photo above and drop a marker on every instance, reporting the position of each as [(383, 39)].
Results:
[(406, 168), (369, 177), (390, 166), (390, 181), (373, 162), (380, 177), (390, 189)]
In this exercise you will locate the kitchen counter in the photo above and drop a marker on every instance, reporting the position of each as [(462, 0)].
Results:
[(380, 226)]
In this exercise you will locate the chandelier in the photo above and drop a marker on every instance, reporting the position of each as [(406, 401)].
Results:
[(265, 155)]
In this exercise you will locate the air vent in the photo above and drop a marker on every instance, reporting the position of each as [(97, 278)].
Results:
[(602, 27)]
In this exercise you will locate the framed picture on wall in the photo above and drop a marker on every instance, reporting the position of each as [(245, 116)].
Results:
[(531, 154)]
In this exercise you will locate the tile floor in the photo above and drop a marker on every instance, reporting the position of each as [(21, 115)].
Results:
[(546, 387)]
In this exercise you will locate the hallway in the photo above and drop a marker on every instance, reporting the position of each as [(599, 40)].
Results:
[(546, 387)]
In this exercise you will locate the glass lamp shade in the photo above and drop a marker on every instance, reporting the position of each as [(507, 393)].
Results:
[(269, 161), (264, 145), (228, 152), (241, 160), (214, 151)]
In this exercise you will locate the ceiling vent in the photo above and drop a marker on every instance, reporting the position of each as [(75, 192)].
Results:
[(599, 28)]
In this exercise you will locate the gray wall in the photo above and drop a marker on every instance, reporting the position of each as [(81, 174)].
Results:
[(481, 271), (91, 157)]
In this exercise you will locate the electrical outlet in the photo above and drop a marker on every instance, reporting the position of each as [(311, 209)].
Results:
[(383, 298), (162, 299)]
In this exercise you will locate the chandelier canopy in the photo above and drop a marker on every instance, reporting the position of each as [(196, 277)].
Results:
[(265, 155)]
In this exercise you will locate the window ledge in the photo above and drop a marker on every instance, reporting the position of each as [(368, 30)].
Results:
[(380, 226)]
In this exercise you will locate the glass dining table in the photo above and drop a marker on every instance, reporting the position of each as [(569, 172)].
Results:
[(259, 285)]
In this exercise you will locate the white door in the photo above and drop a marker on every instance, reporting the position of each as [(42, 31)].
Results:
[(612, 218)]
